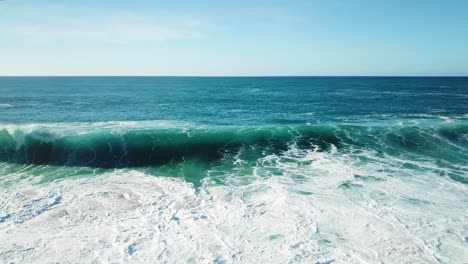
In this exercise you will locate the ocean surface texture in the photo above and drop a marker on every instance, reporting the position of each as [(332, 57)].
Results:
[(233, 170)]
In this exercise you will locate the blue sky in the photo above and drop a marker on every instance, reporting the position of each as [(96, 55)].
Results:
[(149, 37)]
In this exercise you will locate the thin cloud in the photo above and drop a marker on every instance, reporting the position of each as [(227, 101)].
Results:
[(117, 28)]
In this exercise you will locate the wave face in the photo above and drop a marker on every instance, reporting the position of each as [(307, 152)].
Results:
[(152, 147), (114, 147)]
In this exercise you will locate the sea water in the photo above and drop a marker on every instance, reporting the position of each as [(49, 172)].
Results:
[(234, 170)]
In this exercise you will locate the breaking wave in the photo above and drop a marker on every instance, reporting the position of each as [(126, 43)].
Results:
[(119, 146)]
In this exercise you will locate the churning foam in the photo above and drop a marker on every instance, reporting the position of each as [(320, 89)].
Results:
[(322, 208)]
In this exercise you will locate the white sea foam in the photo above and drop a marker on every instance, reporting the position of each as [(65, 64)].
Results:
[(6, 105), (447, 119), (82, 128), (321, 207)]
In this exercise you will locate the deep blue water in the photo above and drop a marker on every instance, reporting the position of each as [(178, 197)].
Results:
[(231, 101)]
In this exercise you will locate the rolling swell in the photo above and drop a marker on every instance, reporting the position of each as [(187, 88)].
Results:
[(154, 147)]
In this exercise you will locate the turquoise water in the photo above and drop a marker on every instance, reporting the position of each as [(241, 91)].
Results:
[(394, 149), (231, 101)]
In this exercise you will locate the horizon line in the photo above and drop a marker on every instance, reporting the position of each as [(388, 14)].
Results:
[(242, 76)]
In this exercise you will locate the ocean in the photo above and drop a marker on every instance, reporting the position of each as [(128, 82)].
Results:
[(234, 169)]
